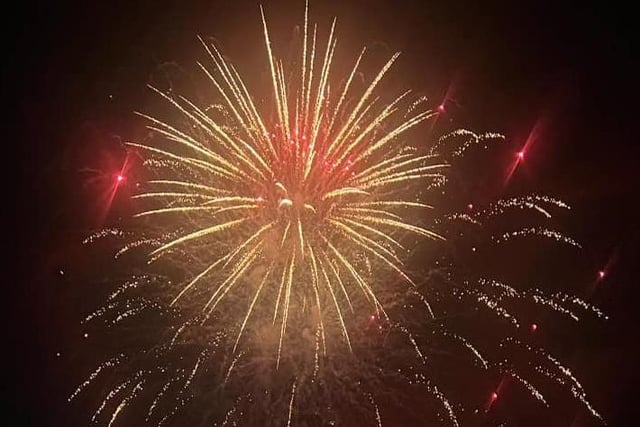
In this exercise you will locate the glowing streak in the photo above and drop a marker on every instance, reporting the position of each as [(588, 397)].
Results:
[(184, 209), (336, 274), (232, 279), (293, 396), (344, 192), (218, 171), (374, 231), (250, 310), (363, 99), (282, 115), (200, 233), (287, 297), (327, 282), (315, 281), (401, 225), (196, 279), (125, 401)]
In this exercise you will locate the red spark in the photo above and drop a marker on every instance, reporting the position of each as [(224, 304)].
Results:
[(601, 274), (494, 396), (525, 149), (534, 327)]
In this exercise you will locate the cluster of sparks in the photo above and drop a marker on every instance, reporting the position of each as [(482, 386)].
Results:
[(284, 215)]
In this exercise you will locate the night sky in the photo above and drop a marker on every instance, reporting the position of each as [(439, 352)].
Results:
[(75, 71)]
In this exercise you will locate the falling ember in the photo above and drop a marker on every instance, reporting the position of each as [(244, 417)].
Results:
[(493, 397), (520, 155)]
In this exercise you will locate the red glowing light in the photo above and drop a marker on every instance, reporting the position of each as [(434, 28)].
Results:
[(470, 206), (521, 154), (534, 327), (440, 108), (601, 274), (120, 178), (494, 396)]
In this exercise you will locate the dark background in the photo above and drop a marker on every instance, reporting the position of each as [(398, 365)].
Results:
[(74, 71)]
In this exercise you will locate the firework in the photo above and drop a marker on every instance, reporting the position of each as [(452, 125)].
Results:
[(277, 234), (302, 196)]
